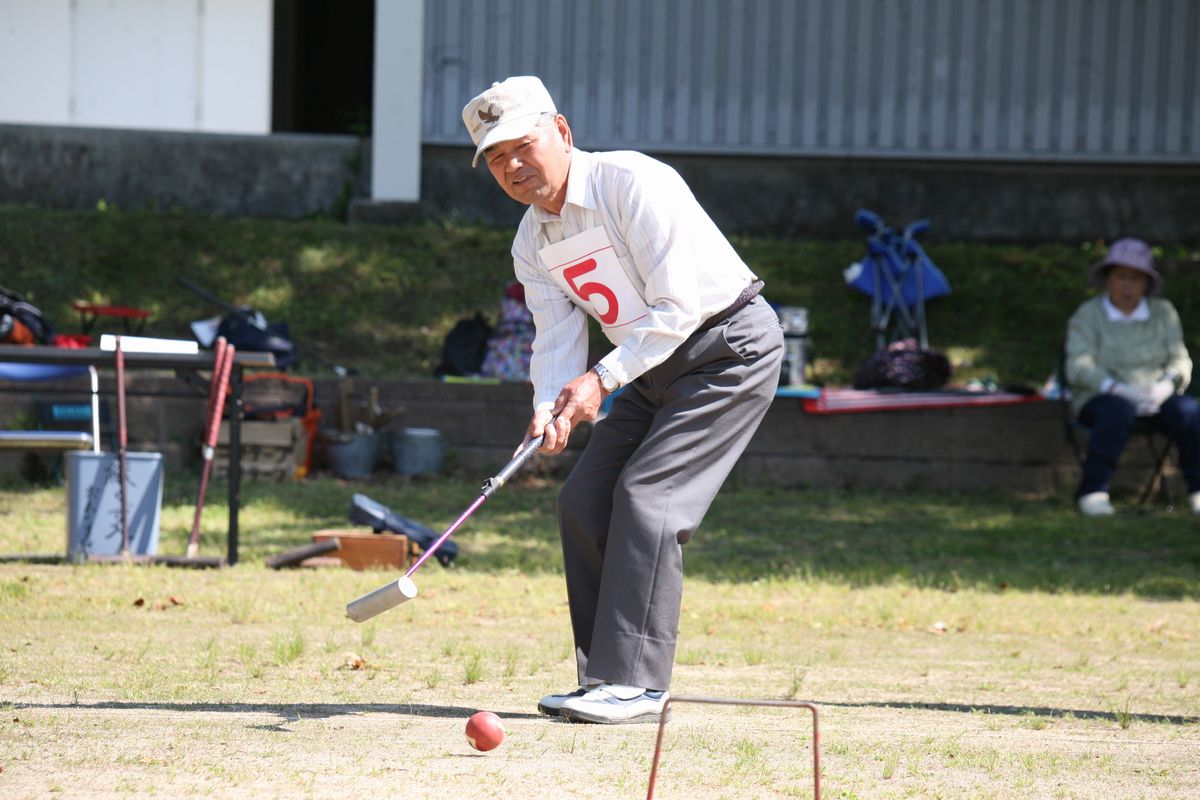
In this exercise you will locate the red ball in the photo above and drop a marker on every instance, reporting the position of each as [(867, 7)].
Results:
[(485, 731)]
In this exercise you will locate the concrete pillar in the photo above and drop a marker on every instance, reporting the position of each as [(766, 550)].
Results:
[(396, 115)]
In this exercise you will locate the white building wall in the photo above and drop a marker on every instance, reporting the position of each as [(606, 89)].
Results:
[(35, 60), (193, 65), (235, 61), (396, 117)]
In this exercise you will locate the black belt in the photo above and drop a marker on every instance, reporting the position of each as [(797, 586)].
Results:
[(743, 300)]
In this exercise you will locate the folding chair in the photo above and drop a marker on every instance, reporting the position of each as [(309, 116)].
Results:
[(67, 414), (1158, 444), (54, 436), (899, 277)]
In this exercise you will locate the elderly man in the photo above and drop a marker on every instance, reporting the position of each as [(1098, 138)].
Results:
[(620, 238)]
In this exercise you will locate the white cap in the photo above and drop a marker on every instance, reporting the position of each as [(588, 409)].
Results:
[(508, 110)]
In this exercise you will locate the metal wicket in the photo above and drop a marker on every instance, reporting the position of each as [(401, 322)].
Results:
[(729, 701)]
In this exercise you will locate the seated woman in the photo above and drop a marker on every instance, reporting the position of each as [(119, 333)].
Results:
[(1126, 359)]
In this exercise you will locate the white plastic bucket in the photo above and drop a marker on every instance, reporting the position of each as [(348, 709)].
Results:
[(94, 503)]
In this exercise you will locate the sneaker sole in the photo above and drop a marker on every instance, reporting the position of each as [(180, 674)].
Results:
[(552, 711), (596, 719), (548, 711)]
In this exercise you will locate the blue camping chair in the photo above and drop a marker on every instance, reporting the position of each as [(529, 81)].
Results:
[(899, 277), (52, 437)]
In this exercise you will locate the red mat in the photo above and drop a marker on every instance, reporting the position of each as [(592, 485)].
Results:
[(855, 401)]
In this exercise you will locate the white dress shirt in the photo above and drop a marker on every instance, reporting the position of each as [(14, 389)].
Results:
[(671, 252)]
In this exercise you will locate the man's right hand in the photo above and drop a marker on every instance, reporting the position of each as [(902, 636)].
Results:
[(579, 401), (556, 431)]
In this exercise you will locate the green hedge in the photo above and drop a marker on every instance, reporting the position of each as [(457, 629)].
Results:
[(382, 298)]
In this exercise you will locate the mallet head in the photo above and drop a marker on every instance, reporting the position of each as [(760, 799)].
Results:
[(382, 599)]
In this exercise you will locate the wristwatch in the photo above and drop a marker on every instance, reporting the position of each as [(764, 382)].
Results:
[(608, 381)]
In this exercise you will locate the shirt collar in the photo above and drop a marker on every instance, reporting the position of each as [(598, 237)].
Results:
[(1139, 314), (580, 191)]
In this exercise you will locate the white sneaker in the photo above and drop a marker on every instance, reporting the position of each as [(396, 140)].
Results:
[(551, 705), (1097, 504), (1194, 502), (615, 704)]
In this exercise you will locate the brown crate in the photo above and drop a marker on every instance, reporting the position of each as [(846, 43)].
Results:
[(258, 462), (282, 433), (275, 450), (366, 550)]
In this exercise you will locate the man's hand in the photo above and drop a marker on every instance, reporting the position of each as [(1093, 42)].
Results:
[(539, 425), (579, 401)]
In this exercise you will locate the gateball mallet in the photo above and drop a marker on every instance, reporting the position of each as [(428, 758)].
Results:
[(122, 442), (222, 369), (403, 589)]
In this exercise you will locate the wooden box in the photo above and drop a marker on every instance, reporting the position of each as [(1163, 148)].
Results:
[(365, 550)]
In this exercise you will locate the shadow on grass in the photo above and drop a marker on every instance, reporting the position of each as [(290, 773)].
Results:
[(1025, 711), (947, 542), (288, 712), (294, 712), (988, 542)]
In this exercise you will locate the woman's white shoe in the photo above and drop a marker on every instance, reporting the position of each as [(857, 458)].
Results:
[(1097, 504)]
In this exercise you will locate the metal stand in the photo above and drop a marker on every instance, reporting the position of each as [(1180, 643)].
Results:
[(728, 701)]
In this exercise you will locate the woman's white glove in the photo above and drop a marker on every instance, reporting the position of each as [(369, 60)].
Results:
[(1162, 391), (1136, 395)]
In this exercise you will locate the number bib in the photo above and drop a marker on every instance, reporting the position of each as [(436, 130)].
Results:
[(588, 271)]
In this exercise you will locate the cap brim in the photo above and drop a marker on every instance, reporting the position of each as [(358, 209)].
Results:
[(506, 131)]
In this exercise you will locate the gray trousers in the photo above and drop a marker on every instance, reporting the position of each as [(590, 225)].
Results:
[(643, 485)]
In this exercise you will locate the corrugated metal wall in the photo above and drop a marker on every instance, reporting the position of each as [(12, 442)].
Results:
[(1106, 80)]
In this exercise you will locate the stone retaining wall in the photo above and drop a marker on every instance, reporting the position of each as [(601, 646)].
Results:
[(298, 175), (1017, 448)]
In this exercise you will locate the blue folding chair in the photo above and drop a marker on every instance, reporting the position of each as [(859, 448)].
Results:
[(53, 437), (899, 277)]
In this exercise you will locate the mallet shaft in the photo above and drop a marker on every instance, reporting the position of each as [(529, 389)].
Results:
[(403, 589)]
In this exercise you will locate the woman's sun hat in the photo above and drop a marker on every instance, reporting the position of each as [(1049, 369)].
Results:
[(1132, 253)]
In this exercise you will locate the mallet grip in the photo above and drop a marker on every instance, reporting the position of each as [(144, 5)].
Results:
[(500, 478)]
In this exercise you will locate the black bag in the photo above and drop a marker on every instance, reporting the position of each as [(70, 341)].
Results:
[(465, 347), (242, 330), (903, 365), (22, 322)]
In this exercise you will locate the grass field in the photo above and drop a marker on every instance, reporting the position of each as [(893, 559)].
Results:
[(966, 646)]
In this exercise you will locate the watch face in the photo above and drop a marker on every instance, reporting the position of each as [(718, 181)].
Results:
[(606, 379)]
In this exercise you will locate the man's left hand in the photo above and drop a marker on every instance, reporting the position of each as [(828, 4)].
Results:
[(579, 401)]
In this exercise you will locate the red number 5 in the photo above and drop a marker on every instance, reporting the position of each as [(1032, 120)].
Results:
[(590, 289)]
